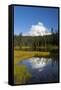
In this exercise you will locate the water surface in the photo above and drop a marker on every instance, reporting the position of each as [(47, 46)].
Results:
[(42, 69)]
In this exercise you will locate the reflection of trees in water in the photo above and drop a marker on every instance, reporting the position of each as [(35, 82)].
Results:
[(40, 69), (40, 60), (37, 63), (54, 61)]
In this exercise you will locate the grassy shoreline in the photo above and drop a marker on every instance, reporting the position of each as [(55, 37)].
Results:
[(20, 72), (21, 75), (20, 55)]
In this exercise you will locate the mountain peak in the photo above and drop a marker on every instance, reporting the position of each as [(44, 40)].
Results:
[(38, 30)]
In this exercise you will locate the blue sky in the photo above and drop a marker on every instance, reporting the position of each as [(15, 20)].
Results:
[(25, 17)]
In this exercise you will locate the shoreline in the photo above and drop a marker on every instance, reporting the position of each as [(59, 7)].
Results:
[(20, 55)]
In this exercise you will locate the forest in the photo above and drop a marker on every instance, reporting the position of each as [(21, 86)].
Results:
[(37, 43), (26, 47)]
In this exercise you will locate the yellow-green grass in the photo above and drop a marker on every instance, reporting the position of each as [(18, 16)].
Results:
[(22, 47), (17, 47), (20, 55), (21, 75)]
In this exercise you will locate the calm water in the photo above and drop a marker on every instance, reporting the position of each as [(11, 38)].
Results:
[(42, 69)]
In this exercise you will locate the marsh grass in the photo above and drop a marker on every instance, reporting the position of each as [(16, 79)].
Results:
[(20, 55), (21, 74)]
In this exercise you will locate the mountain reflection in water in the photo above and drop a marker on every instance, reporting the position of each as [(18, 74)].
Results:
[(42, 69)]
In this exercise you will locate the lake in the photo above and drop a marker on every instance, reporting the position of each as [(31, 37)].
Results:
[(42, 70)]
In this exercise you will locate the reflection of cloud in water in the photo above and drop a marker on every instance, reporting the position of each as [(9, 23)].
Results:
[(42, 69), (39, 62)]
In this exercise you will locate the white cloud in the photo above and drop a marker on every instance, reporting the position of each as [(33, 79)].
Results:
[(38, 30)]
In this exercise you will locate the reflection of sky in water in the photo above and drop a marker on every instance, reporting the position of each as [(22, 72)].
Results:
[(42, 69), (39, 62)]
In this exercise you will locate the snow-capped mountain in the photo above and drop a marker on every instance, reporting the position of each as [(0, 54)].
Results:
[(38, 30)]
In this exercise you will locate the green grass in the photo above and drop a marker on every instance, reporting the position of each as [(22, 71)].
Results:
[(21, 74), (20, 55)]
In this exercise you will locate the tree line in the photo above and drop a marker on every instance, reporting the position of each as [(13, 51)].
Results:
[(37, 43)]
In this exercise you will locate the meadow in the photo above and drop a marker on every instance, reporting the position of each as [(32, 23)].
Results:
[(21, 74), (27, 47), (20, 55)]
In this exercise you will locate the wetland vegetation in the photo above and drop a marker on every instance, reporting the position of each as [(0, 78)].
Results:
[(26, 47)]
